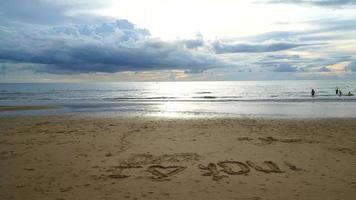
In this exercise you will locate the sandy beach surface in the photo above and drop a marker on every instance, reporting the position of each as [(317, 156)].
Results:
[(66, 157)]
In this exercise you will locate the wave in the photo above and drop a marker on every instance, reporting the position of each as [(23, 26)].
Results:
[(230, 99), (139, 98), (203, 92), (57, 91), (205, 97)]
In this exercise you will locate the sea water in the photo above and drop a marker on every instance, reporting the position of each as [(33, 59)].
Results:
[(285, 99)]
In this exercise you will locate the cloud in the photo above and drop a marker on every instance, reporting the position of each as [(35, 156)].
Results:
[(222, 48), (285, 68), (194, 43), (29, 11), (63, 37), (49, 12), (324, 69), (324, 3), (352, 66), (3, 70), (106, 47), (322, 32), (283, 57)]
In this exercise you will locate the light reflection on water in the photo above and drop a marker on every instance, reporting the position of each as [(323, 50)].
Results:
[(186, 99)]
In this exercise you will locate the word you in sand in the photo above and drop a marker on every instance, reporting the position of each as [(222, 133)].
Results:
[(217, 171), (241, 168)]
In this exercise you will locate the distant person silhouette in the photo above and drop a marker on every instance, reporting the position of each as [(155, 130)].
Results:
[(340, 93), (337, 91), (312, 92)]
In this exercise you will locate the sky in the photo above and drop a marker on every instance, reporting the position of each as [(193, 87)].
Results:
[(176, 40)]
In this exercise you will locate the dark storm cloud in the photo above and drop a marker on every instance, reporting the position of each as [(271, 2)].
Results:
[(222, 48), (107, 47), (44, 33), (325, 3)]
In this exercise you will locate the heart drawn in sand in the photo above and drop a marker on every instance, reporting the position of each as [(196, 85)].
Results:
[(163, 172)]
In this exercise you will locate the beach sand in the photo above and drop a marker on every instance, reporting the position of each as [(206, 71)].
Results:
[(150, 158)]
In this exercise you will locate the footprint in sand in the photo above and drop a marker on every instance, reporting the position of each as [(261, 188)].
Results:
[(344, 150), (293, 167), (270, 140), (244, 139), (118, 171)]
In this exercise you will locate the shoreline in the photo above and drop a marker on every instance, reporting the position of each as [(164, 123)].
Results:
[(129, 117), (80, 157), (191, 111)]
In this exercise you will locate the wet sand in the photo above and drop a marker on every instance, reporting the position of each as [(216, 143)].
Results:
[(150, 158), (20, 108)]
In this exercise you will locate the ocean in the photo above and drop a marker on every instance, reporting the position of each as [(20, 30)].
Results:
[(280, 99)]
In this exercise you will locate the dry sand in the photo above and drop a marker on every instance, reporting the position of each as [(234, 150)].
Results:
[(132, 158)]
